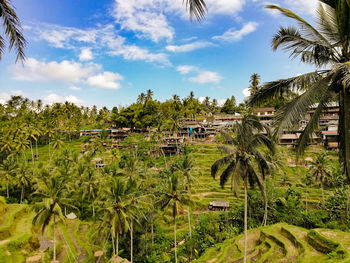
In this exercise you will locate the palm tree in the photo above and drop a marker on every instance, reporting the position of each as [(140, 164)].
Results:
[(21, 144), (242, 152), (57, 143), (33, 134), (185, 165), (174, 198), (8, 170), (23, 177), (90, 186), (149, 95), (254, 83), (120, 210), (12, 29), (320, 169), (324, 47), (51, 190)]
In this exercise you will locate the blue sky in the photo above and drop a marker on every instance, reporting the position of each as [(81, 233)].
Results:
[(107, 52)]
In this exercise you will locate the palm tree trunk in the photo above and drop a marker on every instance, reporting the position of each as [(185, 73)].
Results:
[(31, 149), (152, 231), (7, 189), (36, 148), (322, 192), (22, 193), (54, 238), (175, 239), (131, 243), (93, 209), (113, 245), (344, 132), (245, 217), (117, 245), (266, 204), (189, 220), (49, 149)]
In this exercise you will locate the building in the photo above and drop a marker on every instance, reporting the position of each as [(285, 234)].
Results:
[(219, 206), (266, 115)]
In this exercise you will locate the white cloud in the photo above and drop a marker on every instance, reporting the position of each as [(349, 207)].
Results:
[(103, 38), (143, 17), (74, 88), (246, 92), (206, 77), (188, 47), (236, 35), (106, 80), (54, 98), (147, 18), (5, 96), (86, 54), (185, 69), (221, 102), (65, 71), (302, 6)]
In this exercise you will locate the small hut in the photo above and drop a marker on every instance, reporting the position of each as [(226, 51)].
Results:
[(219, 206)]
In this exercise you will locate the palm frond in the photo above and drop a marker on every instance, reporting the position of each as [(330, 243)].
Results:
[(227, 173), (275, 89), (291, 113), (217, 164), (306, 136), (308, 29), (13, 29), (196, 8)]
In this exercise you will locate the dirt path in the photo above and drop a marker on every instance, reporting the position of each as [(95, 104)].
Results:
[(81, 253)]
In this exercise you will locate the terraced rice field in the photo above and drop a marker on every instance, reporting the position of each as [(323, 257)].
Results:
[(282, 243)]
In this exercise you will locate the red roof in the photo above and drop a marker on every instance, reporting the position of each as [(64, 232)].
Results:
[(330, 132)]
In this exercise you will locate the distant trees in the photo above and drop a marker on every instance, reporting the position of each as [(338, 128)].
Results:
[(230, 106)]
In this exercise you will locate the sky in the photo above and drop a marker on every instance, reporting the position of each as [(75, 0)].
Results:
[(107, 52)]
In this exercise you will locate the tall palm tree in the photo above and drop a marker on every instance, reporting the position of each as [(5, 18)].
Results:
[(90, 188), (51, 190), (8, 170), (320, 169), (149, 95), (12, 30), (21, 144), (327, 48), (23, 178), (184, 165), (174, 197), (120, 210), (242, 152), (254, 83)]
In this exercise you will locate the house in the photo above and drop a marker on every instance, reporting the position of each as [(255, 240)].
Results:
[(266, 115), (219, 206)]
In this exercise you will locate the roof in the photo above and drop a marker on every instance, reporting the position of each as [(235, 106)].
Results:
[(330, 132), (71, 216), (220, 203), (289, 136), (264, 109)]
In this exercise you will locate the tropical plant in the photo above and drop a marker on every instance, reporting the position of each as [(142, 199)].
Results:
[(8, 171), (51, 191), (324, 47), (12, 30), (23, 178), (242, 152), (320, 170), (174, 197)]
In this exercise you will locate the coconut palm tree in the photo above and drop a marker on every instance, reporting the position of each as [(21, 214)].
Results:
[(327, 48), (8, 170), (320, 170), (184, 165), (120, 210), (254, 83), (174, 197), (90, 186), (51, 191), (242, 152), (23, 178), (12, 29)]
